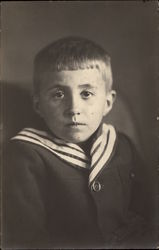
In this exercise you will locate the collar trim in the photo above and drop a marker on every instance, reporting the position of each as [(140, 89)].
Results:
[(100, 153)]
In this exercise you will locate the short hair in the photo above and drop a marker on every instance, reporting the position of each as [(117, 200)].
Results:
[(72, 53)]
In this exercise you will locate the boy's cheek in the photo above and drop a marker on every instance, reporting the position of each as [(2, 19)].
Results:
[(47, 107)]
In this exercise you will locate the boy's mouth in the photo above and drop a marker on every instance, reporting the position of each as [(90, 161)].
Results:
[(75, 124)]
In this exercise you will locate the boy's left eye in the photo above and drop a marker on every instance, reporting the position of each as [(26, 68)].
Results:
[(86, 94)]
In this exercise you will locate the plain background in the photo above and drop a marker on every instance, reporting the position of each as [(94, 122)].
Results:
[(126, 29)]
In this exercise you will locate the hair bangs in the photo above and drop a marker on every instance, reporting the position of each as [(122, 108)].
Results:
[(72, 53)]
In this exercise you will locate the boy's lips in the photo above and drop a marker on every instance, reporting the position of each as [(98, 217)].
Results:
[(75, 124)]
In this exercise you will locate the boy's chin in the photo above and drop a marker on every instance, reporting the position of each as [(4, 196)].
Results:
[(77, 139)]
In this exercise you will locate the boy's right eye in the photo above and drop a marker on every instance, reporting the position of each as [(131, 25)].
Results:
[(58, 94)]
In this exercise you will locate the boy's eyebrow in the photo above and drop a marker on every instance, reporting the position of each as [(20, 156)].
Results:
[(85, 85), (55, 86)]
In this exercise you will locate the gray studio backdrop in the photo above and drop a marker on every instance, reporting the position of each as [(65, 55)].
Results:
[(126, 29)]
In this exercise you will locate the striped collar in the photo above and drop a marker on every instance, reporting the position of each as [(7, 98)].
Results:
[(100, 152)]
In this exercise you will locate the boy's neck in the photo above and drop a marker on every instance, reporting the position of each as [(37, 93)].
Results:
[(86, 146)]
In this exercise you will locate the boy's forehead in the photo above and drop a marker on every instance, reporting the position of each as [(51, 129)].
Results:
[(75, 77)]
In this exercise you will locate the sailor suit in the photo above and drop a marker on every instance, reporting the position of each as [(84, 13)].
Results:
[(57, 197)]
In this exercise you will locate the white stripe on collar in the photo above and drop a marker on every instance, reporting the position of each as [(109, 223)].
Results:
[(104, 152), (100, 152)]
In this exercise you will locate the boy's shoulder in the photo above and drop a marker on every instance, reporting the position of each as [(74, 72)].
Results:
[(123, 138), (127, 152), (125, 143), (21, 150), (25, 157)]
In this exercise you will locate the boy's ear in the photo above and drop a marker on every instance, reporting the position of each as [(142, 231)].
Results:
[(36, 104), (110, 98)]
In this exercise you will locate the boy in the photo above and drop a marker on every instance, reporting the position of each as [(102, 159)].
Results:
[(76, 183)]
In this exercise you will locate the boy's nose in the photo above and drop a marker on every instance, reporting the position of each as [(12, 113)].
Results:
[(73, 112), (73, 106)]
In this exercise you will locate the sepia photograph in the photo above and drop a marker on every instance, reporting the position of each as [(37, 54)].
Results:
[(79, 125)]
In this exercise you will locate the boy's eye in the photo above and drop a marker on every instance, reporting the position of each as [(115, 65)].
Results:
[(86, 94), (58, 95)]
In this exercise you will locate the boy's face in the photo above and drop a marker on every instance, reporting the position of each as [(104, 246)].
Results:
[(73, 103)]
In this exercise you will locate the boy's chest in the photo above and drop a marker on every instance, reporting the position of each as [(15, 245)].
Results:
[(107, 198), (115, 178)]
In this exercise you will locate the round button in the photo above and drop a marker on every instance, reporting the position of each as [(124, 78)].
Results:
[(96, 186)]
